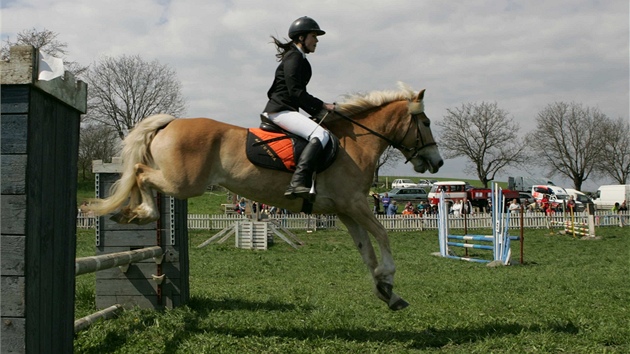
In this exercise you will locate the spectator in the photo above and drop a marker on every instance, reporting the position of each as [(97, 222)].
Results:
[(466, 206), (514, 207), (424, 208), (545, 205), (242, 204), (456, 208), (386, 199), (408, 209), (571, 205), (392, 208), (377, 203), (622, 208)]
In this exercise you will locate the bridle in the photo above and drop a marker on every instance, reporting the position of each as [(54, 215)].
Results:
[(420, 143)]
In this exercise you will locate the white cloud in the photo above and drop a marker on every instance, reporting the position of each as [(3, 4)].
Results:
[(523, 55)]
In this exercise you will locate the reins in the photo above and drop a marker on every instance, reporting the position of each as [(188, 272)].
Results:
[(415, 150)]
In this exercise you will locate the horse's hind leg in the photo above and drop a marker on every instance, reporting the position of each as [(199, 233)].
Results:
[(142, 208), (127, 214)]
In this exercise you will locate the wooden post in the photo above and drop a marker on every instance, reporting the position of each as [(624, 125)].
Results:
[(138, 286), (40, 142)]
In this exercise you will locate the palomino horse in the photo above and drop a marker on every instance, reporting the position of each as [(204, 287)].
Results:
[(181, 157)]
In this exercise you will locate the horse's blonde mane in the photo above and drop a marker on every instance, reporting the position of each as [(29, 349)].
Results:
[(360, 102)]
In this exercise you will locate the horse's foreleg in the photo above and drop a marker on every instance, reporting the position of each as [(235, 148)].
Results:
[(362, 242), (382, 274)]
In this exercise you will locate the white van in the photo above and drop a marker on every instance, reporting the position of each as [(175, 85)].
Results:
[(581, 199), (608, 195), (557, 195)]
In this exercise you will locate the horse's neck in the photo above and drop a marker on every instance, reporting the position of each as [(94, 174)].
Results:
[(366, 146)]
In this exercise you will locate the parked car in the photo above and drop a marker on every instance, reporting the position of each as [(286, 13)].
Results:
[(426, 183), (403, 183), (407, 193)]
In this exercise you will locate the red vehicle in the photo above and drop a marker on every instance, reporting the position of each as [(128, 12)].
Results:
[(456, 190), (479, 197)]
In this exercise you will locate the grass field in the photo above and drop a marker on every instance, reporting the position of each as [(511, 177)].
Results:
[(571, 296)]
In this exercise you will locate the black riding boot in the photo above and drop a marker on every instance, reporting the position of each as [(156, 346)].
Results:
[(302, 177)]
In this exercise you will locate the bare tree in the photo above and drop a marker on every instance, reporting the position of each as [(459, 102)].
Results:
[(569, 140), (485, 135), (46, 41), (127, 89), (97, 142), (389, 158), (614, 162)]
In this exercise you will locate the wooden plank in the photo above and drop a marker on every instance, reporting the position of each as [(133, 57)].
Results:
[(109, 225), (13, 169), (12, 335), (128, 302), (12, 255), (126, 287), (13, 214), (13, 130), (12, 290), (15, 99), (127, 238)]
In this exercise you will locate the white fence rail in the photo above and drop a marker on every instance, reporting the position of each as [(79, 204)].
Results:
[(393, 223)]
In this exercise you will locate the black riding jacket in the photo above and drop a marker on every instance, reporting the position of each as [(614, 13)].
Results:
[(288, 91)]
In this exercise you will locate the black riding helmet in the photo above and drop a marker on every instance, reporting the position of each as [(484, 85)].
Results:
[(304, 25)]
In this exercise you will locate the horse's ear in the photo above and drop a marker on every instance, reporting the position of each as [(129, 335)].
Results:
[(420, 96)]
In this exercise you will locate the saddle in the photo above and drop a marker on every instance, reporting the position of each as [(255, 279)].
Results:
[(272, 147)]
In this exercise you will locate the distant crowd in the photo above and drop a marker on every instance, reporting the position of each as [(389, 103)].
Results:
[(385, 205)]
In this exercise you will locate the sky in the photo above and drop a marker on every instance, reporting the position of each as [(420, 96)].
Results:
[(523, 55)]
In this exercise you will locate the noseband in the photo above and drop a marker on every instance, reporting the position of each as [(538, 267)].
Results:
[(420, 144)]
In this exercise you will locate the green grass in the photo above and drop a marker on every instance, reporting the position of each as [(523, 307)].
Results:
[(571, 296)]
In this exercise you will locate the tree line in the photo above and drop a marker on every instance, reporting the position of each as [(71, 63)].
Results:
[(570, 140)]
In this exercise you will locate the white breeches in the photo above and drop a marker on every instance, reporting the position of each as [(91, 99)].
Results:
[(300, 125)]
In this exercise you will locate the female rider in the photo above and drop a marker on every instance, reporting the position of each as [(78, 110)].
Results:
[(288, 94)]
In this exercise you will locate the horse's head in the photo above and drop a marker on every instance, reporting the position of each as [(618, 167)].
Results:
[(418, 145)]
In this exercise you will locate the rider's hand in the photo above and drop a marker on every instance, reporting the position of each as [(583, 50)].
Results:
[(330, 107)]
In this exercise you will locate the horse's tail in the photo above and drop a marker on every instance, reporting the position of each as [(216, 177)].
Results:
[(135, 150)]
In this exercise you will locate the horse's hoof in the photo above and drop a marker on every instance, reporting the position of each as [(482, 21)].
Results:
[(135, 220), (119, 218), (398, 305)]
